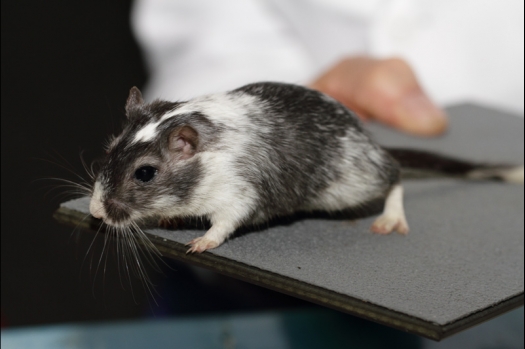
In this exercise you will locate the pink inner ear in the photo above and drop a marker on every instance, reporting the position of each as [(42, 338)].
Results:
[(180, 143), (183, 140), (185, 147)]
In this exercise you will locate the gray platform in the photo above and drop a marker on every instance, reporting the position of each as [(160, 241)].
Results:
[(462, 263)]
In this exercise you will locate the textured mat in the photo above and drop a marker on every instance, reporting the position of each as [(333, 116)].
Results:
[(461, 264)]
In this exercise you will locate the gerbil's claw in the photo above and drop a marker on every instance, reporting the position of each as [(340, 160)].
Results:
[(201, 244), (388, 223)]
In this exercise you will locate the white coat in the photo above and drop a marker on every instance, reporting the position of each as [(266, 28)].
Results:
[(461, 50)]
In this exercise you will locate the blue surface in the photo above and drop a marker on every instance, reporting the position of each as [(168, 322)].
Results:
[(308, 328)]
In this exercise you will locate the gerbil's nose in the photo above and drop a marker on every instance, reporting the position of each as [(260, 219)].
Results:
[(96, 209)]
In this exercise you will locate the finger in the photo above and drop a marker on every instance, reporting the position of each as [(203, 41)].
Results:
[(391, 94), (415, 113)]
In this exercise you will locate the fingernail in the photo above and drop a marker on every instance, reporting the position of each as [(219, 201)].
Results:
[(417, 114)]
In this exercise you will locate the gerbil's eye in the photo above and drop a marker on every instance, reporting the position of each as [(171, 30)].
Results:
[(145, 173)]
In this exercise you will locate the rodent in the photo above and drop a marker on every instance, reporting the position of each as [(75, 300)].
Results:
[(244, 156)]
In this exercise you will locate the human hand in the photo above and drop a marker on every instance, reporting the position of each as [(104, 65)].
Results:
[(386, 90)]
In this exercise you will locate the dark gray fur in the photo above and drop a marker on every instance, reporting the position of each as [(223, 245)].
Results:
[(303, 151), (314, 143), (118, 167), (305, 148)]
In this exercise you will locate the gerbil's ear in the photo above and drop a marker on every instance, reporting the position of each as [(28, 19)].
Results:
[(184, 140), (134, 99)]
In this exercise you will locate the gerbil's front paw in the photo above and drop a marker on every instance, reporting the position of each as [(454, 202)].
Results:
[(387, 223), (201, 244)]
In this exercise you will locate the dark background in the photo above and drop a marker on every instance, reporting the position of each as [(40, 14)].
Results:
[(67, 68)]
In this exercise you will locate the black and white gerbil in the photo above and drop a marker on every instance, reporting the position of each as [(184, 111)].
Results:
[(247, 155)]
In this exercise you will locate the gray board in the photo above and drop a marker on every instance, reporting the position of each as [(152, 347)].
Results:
[(461, 264)]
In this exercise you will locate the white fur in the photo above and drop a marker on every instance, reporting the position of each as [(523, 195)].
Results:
[(223, 192), (394, 201), (352, 189), (96, 208), (220, 107), (172, 113), (223, 195), (146, 133), (514, 175), (393, 217), (349, 191)]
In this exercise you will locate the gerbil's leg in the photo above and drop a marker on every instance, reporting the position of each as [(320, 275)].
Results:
[(215, 236), (393, 217)]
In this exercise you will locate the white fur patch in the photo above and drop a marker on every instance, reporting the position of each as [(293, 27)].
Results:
[(394, 201), (96, 208), (393, 217), (353, 188), (220, 107), (146, 133), (223, 194), (514, 175)]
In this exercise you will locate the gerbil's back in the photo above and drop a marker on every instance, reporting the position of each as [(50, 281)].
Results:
[(303, 109), (301, 139)]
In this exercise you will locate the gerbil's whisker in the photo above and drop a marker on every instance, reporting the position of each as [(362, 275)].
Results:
[(146, 241), (78, 224), (126, 245), (89, 170), (100, 258), (146, 281), (67, 166), (119, 252), (150, 251), (135, 258), (91, 245), (83, 186)]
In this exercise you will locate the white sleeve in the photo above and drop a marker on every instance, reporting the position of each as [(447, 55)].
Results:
[(466, 50), (204, 46)]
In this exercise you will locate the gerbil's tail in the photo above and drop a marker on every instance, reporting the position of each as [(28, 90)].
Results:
[(418, 164)]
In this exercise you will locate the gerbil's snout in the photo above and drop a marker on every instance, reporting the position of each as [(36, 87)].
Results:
[(116, 212), (111, 211), (96, 208)]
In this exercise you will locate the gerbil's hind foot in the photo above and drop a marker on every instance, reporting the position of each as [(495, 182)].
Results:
[(387, 223), (171, 223), (393, 217), (201, 244)]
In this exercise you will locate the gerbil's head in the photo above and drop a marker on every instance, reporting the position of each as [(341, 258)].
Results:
[(153, 166)]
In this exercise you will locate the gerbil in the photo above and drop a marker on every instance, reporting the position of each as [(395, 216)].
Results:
[(245, 156)]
